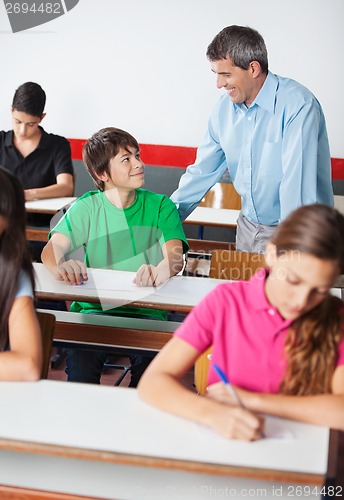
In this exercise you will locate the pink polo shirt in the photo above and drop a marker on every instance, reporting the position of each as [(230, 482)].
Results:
[(246, 332)]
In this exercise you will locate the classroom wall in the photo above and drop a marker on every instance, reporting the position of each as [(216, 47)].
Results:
[(141, 65)]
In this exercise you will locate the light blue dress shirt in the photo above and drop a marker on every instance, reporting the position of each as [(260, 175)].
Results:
[(276, 151)]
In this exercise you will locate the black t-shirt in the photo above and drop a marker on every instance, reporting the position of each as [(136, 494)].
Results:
[(41, 167)]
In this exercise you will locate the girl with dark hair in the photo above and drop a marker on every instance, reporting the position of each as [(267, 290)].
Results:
[(278, 337), (20, 337)]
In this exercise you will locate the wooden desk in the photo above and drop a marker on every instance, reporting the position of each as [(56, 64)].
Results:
[(222, 195), (47, 206), (180, 293), (219, 217), (105, 442)]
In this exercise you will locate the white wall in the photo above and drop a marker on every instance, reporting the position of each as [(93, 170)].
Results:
[(140, 64)]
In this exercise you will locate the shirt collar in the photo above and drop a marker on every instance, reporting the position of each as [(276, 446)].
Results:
[(43, 143), (266, 96), (9, 139), (257, 297)]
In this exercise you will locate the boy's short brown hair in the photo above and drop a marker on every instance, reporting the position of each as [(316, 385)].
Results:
[(102, 147)]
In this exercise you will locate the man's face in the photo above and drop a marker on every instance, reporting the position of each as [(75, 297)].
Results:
[(240, 84), (25, 126)]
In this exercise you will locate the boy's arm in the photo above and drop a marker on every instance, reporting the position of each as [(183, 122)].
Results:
[(64, 186), (172, 263), (53, 257)]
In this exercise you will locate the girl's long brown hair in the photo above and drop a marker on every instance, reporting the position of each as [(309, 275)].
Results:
[(14, 251), (311, 345)]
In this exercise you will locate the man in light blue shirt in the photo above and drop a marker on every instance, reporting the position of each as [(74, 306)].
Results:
[(269, 132)]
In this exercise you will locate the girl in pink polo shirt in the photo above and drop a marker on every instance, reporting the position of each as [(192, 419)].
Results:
[(279, 337)]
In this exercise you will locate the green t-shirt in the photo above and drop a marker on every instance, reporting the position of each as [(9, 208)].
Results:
[(121, 239)]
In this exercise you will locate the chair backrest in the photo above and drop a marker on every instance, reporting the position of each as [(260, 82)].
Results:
[(47, 324), (234, 265), (230, 265), (222, 195)]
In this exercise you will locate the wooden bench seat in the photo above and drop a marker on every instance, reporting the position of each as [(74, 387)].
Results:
[(99, 330)]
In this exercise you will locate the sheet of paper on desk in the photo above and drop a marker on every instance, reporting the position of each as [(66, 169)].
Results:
[(183, 286), (105, 280)]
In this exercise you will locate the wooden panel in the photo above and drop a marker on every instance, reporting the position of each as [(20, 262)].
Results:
[(233, 265), (112, 336), (13, 493), (36, 234), (222, 195)]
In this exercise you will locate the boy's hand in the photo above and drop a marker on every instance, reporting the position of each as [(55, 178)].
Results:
[(149, 275), (71, 271)]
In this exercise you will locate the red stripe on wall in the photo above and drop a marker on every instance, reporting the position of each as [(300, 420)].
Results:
[(152, 154), (182, 156), (337, 169)]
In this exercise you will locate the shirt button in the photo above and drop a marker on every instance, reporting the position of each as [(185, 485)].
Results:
[(271, 312), (249, 118)]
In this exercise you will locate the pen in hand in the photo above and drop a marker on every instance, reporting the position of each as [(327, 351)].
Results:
[(230, 389)]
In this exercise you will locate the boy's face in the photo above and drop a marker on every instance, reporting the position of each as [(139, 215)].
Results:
[(25, 126), (126, 170)]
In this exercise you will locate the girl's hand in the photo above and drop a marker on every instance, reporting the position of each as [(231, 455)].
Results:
[(149, 275), (234, 422), (219, 393), (71, 271)]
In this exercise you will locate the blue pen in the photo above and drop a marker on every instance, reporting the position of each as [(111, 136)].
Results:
[(229, 387)]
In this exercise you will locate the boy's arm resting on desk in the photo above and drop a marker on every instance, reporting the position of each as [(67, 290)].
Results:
[(24, 360), (320, 409), (160, 387), (53, 257), (64, 187), (172, 264)]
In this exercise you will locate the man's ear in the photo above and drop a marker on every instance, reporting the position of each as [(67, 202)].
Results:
[(270, 254), (43, 115), (255, 69)]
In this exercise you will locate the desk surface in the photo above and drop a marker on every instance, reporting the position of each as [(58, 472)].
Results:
[(49, 205), (115, 288), (220, 217), (114, 425)]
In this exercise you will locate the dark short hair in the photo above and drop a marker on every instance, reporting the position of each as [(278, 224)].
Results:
[(241, 44), (29, 98), (102, 147)]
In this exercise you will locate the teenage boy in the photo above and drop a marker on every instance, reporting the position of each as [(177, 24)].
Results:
[(120, 226), (41, 161)]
